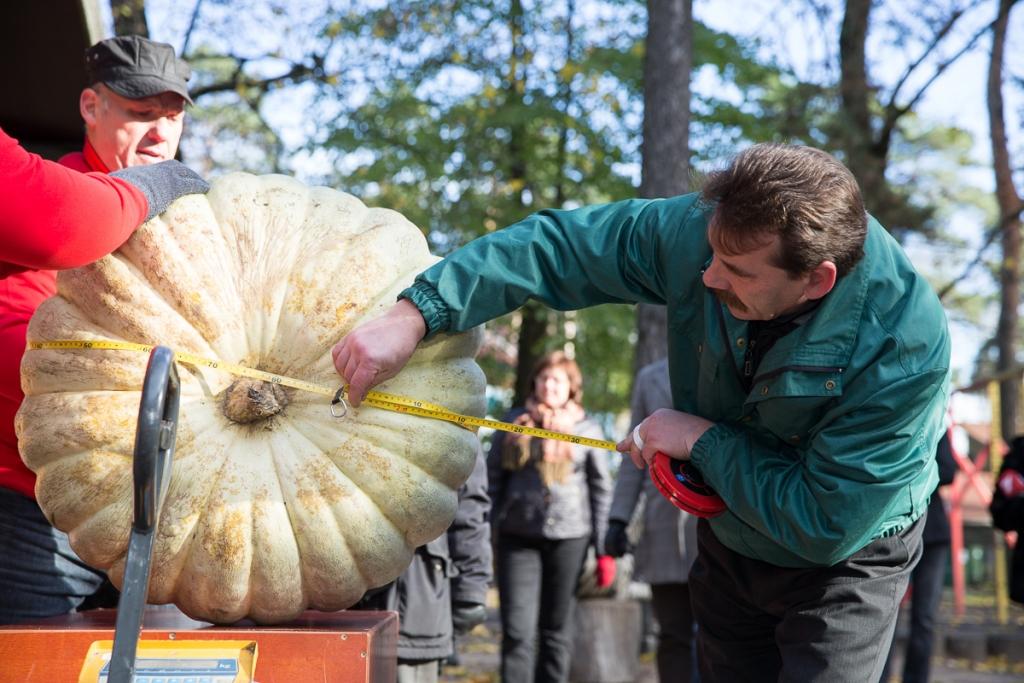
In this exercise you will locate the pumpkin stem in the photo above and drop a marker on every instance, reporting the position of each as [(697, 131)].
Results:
[(251, 400)]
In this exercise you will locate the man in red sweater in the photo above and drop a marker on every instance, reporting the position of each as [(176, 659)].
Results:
[(55, 218)]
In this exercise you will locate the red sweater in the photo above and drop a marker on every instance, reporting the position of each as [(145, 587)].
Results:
[(53, 217)]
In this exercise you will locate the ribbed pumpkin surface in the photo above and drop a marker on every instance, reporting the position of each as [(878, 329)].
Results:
[(274, 505)]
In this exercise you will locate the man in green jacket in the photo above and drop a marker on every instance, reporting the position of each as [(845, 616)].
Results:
[(810, 372)]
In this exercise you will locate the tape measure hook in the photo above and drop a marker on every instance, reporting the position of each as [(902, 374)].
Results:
[(339, 400)]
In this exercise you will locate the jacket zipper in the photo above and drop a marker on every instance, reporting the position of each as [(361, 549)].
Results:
[(748, 359)]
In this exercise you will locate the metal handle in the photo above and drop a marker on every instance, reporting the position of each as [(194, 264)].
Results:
[(154, 450)]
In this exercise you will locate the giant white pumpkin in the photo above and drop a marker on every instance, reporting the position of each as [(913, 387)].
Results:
[(273, 509)]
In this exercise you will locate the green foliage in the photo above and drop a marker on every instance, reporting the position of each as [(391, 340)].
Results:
[(465, 139), (483, 118), (604, 332)]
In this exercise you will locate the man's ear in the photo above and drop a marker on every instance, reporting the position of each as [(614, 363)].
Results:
[(821, 281), (88, 106)]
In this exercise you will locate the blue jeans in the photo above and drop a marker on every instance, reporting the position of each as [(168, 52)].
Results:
[(537, 581), (40, 575)]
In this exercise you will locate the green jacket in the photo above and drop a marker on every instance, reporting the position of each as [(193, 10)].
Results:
[(833, 446)]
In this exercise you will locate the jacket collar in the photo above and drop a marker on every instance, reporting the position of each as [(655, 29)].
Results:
[(93, 159), (829, 336)]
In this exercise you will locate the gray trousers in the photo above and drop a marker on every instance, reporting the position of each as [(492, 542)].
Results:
[(760, 622)]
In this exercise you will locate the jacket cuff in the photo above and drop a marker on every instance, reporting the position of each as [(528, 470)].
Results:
[(704, 450), (432, 307)]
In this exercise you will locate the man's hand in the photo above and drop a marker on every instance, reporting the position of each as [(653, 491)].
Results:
[(669, 431), (378, 350), (616, 542), (467, 615), (163, 183)]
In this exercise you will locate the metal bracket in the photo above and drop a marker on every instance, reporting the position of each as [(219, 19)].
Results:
[(154, 451), (339, 399)]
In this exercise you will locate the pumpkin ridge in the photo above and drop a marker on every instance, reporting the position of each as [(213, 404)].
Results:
[(395, 503), (168, 256), (112, 521), (87, 460), (199, 502), (114, 290), (277, 263), (289, 459), (202, 501)]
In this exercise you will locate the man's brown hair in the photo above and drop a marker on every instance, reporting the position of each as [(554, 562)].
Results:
[(803, 195)]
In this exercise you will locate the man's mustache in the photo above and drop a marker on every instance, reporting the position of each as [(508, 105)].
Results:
[(728, 298)]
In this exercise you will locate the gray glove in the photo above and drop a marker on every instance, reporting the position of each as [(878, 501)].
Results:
[(163, 183)]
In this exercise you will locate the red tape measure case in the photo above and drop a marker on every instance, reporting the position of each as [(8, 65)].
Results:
[(681, 483)]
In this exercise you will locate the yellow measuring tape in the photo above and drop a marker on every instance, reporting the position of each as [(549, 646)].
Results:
[(377, 399)]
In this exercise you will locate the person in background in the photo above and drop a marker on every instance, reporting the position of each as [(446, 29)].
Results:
[(927, 579), (809, 364), (668, 541), (1007, 510), (550, 502), (443, 591), (63, 216)]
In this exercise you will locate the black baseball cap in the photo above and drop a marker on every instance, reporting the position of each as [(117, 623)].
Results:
[(136, 67)]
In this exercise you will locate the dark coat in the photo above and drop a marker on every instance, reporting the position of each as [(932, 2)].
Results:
[(936, 526), (455, 566), (1008, 511)]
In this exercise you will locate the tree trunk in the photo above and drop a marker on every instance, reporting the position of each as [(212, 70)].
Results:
[(534, 325), (666, 146), (865, 156), (1009, 206), (532, 331), (129, 17)]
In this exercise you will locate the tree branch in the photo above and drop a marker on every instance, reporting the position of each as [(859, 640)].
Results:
[(894, 113), (191, 27), (936, 39), (297, 74), (990, 236), (942, 68)]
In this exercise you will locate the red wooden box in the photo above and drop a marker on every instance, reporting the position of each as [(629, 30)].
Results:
[(336, 647)]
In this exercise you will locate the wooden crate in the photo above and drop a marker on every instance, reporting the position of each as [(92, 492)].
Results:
[(336, 647)]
